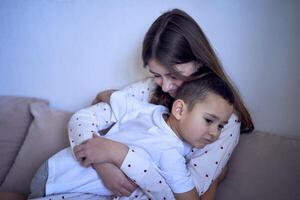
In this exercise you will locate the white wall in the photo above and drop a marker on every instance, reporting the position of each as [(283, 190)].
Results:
[(67, 50)]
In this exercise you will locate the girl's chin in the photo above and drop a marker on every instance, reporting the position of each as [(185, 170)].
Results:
[(172, 93)]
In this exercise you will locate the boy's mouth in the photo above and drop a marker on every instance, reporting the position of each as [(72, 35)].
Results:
[(207, 141)]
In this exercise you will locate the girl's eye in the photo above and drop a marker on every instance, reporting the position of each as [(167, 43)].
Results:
[(170, 76), (208, 121), (156, 75), (173, 77)]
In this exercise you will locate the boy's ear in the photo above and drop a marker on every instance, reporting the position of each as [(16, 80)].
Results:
[(178, 109)]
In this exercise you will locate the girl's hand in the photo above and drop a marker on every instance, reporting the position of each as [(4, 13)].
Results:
[(114, 179), (103, 96), (190, 195), (100, 150), (91, 151)]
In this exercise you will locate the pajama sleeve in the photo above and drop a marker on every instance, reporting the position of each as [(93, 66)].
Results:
[(95, 118), (87, 121), (206, 164), (122, 103), (147, 176), (173, 168)]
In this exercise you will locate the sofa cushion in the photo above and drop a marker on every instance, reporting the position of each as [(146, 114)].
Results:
[(11, 196), (263, 166), (47, 135), (15, 119)]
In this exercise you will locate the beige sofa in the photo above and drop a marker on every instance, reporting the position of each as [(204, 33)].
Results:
[(263, 166)]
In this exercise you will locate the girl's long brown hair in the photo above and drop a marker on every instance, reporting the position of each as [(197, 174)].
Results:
[(176, 38)]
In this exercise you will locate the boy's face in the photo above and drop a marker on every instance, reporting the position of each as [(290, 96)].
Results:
[(203, 124)]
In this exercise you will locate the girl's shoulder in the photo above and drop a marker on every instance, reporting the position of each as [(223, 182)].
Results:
[(147, 84), (141, 89), (233, 125)]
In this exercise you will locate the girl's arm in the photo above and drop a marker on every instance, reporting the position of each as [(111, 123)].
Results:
[(115, 152), (141, 90), (90, 120), (208, 165), (140, 170), (210, 194), (103, 96), (114, 179), (87, 121), (81, 127)]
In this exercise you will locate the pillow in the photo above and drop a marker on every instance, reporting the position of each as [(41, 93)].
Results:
[(263, 166), (46, 136), (15, 119)]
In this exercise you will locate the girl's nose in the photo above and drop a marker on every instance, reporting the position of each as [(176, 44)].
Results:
[(167, 85)]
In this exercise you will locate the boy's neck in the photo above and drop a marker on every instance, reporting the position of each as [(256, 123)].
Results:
[(172, 123)]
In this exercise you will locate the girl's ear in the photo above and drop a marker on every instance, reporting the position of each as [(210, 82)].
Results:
[(178, 109)]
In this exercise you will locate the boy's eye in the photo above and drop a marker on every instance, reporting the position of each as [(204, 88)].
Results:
[(220, 127), (156, 76)]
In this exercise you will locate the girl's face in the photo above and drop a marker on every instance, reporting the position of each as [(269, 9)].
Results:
[(203, 124), (165, 79)]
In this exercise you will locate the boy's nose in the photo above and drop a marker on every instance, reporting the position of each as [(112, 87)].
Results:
[(214, 133)]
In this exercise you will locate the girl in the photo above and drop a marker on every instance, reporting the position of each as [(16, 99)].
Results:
[(175, 50)]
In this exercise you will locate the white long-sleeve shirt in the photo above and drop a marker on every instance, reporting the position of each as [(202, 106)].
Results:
[(141, 126)]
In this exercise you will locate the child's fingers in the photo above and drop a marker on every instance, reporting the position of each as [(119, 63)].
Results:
[(80, 155), (86, 162), (133, 184), (78, 148), (125, 192), (95, 135), (128, 188)]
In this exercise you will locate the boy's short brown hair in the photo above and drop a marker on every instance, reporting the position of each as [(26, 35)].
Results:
[(194, 91)]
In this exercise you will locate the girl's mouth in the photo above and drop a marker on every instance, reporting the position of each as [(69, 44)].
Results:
[(172, 93)]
